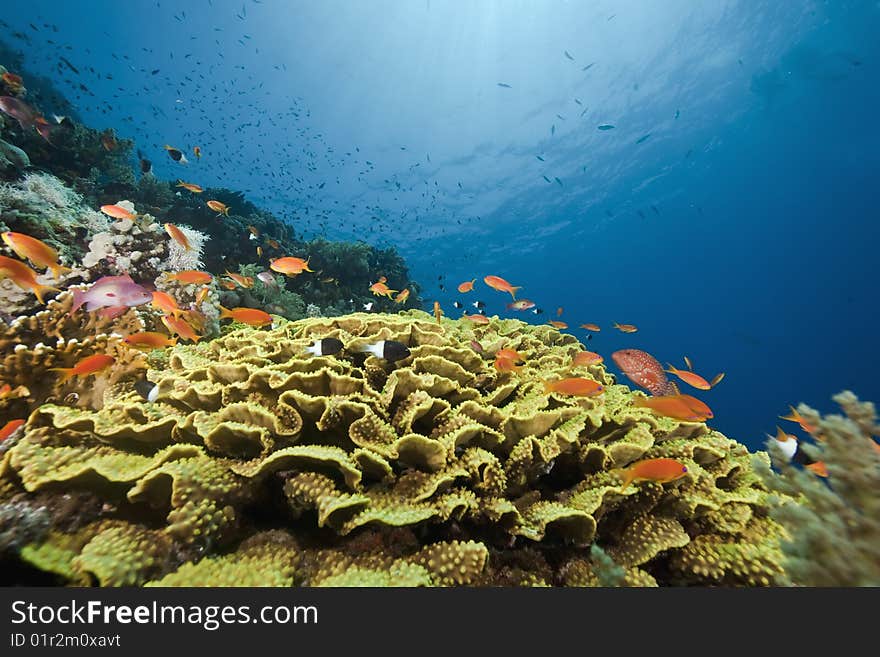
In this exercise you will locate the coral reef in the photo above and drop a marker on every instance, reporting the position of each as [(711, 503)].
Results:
[(833, 527), (260, 464), (42, 206), (141, 248), (33, 344)]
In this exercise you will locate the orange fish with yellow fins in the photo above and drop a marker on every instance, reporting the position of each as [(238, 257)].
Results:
[(191, 277), (381, 289), (575, 387), (180, 327), (178, 236), (402, 297), (692, 378), (249, 316), (195, 189), (290, 266), (149, 340), (86, 366), (498, 283), (218, 207), (467, 286), (38, 252), (678, 407), (24, 277), (660, 471)]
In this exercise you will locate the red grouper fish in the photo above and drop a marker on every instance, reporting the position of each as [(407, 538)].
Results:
[(644, 370)]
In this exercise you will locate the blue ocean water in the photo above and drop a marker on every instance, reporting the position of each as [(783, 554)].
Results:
[(730, 213)]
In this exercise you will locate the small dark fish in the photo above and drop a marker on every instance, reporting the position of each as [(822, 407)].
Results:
[(154, 71), (70, 66), (325, 347), (567, 55), (478, 304), (553, 129), (557, 180), (547, 179), (643, 138), (560, 117), (578, 102), (506, 86), (146, 165), (606, 126), (539, 157), (677, 114), (176, 155), (654, 208), (537, 311), (588, 67), (389, 350), (149, 391), (457, 304)]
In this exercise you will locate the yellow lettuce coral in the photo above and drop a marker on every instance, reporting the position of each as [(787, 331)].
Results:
[(490, 479)]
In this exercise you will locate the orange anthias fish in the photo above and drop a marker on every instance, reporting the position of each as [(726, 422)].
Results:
[(586, 358), (438, 311), (227, 285), (692, 378), (625, 328), (467, 286), (195, 189), (476, 318), (165, 302), (149, 340), (249, 316), (10, 428), (591, 327), (576, 387), (179, 327), (402, 297), (244, 281), (679, 407), (559, 311), (510, 354), (506, 364), (201, 295), (794, 416), (498, 283), (197, 152), (24, 277), (191, 276), (219, 207), (38, 252), (290, 266), (657, 470), (178, 236), (85, 367), (117, 212), (380, 289), (557, 325)]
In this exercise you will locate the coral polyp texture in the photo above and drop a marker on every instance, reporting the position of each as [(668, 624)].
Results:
[(260, 464), (833, 531)]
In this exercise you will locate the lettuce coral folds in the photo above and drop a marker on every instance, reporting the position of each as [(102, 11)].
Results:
[(259, 464)]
